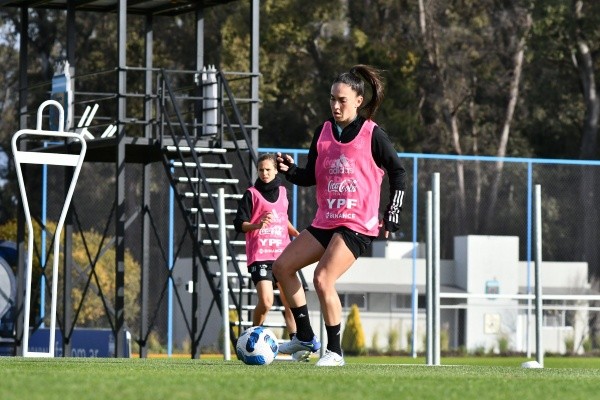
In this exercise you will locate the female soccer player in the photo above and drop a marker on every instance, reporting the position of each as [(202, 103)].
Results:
[(263, 216), (346, 162)]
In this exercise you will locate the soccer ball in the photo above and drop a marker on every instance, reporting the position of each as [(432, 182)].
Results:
[(257, 346)]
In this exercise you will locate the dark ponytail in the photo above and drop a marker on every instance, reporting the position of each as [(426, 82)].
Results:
[(356, 77)]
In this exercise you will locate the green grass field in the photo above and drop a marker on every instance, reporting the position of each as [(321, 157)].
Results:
[(361, 378)]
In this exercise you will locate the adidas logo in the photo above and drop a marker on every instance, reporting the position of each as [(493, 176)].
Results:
[(301, 315)]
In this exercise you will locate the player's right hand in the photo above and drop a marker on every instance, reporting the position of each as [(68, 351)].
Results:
[(284, 162), (266, 219)]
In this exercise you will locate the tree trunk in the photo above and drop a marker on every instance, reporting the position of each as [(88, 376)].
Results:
[(584, 63), (513, 96), (437, 85), (585, 66)]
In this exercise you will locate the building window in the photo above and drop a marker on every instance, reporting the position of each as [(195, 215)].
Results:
[(403, 301), (556, 314), (348, 299)]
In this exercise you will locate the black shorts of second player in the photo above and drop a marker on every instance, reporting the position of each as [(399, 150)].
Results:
[(357, 242), (262, 271)]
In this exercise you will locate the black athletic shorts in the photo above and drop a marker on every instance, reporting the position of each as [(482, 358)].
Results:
[(356, 242), (262, 271)]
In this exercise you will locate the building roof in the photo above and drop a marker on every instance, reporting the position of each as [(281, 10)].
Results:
[(152, 7)]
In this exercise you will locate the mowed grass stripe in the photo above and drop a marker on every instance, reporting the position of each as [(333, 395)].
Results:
[(361, 378)]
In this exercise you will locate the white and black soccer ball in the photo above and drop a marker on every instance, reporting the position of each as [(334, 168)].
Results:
[(257, 346)]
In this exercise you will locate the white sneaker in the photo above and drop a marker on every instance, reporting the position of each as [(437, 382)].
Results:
[(302, 355), (295, 345), (330, 359)]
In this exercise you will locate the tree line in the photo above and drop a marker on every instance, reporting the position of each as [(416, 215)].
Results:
[(467, 77)]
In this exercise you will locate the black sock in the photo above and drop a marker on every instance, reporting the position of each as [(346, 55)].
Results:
[(334, 338), (292, 335), (304, 331)]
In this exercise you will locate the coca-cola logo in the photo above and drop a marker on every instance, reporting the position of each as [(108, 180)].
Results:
[(344, 186), (271, 230)]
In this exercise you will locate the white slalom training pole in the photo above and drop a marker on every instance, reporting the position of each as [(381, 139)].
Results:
[(436, 266), (41, 158), (429, 282), (539, 352), (224, 285)]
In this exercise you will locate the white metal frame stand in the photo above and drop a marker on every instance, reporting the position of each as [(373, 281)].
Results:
[(59, 159)]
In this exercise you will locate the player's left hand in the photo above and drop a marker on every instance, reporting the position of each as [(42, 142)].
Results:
[(389, 225), (386, 232)]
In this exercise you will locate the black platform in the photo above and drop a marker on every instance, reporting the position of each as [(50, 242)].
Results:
[(138, 150), (153, 7)]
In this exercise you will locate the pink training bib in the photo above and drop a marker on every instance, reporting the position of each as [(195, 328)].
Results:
[(267, 243), (348, 182)]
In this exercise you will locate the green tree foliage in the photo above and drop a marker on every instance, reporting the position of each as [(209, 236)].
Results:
[(379, 42), (8, 123), (450, 68), (353, 339), (466, 71), (305, 43), (553, 108)]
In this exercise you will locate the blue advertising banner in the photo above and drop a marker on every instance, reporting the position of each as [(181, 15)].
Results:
[(84, 342)]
